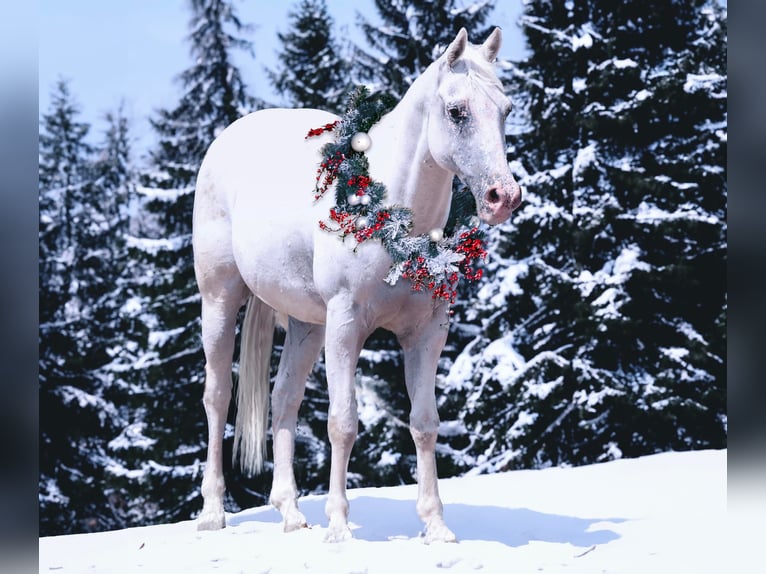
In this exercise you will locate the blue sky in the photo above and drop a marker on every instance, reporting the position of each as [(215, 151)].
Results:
[(132, 50)]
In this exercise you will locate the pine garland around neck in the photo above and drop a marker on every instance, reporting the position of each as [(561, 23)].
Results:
[(433, 262)]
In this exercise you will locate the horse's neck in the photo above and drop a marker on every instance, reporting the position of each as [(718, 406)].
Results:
[(401, 160)]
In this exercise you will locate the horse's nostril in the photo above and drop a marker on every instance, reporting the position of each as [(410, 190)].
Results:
[(492, 196)]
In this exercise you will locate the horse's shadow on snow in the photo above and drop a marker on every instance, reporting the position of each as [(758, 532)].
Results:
[(378, 519)]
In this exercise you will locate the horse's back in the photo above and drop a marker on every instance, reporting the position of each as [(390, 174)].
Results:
[(264, 157)]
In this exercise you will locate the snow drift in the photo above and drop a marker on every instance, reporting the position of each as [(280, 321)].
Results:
[(659, 513)]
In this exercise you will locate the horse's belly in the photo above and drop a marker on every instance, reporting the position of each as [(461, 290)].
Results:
[(277, 268)]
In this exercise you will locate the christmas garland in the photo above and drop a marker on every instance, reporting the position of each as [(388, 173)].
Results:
[(435, 261)]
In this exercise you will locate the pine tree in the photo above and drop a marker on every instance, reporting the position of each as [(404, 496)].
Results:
[(79, 251), (603, 331), (412, 35), (163, 444), (311, 73), (63, 172)]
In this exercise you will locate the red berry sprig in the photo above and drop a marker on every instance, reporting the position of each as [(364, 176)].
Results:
[(325, 128), (329, 167), (472, 247), (345, 222)]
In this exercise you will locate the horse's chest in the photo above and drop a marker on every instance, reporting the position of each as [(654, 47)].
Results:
[(359, 274)]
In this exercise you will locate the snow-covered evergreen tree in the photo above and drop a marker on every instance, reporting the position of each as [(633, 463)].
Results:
[(163, 446), (411, 35), (311, 72), (600, 330), (82, 221)]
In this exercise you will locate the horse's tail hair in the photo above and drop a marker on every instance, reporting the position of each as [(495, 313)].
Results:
[(253, 386)]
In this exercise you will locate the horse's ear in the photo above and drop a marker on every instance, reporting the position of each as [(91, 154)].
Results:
[(457, 47), (491, 45)]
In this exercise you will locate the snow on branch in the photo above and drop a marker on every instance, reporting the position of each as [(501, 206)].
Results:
[(167, 195), (154, 246)]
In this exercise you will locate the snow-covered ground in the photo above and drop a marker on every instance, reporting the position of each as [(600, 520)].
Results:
[(656, 514)]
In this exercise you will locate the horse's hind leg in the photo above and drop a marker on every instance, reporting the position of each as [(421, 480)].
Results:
[(223, 293), (302, 345)]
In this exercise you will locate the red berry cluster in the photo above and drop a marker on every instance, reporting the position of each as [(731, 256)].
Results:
[(360, 182), (416, 270), (325, 128), (417, 274), (329, 168), (472, 247), (366, 232)]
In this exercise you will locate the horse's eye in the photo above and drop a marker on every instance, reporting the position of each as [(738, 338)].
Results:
[(457, 113)]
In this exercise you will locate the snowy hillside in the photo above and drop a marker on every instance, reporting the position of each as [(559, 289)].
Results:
[(660, 513)]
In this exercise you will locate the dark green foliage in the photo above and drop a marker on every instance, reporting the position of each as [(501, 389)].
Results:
[(413, 34), (311, 73), (602, 331), (84, 192)]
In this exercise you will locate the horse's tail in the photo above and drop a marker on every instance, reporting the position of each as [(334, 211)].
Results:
[(253, 386)]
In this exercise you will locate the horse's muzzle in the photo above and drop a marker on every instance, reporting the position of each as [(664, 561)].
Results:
[(499, 201)]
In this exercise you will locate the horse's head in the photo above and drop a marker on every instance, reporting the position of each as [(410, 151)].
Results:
[(466, 132)]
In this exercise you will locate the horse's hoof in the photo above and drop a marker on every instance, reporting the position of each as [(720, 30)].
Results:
[(211, 521), (438, 532), (295, 522), (339, 534)]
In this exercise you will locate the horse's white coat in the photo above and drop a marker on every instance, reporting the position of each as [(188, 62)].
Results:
[(256, 234)]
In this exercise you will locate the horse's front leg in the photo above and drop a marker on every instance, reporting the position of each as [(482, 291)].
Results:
[(344, 337), (422, 348)]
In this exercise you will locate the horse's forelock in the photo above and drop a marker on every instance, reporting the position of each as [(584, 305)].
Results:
[(473, 64)]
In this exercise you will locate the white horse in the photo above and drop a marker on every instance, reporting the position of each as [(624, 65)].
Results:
[(257, 240)]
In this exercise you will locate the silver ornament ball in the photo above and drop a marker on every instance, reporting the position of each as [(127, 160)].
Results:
[(362, 222), (353, 199), (436, 234), (365, 200), (360, 141)]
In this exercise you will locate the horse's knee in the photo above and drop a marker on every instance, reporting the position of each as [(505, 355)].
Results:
[(424, 427), (342, 430)]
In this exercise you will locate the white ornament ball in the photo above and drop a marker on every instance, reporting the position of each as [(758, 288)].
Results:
[(365, 200), (353, 199), (362, 222), (360, 141), (436, 234), (474, 221)]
